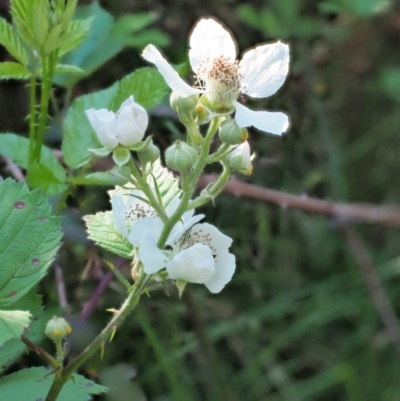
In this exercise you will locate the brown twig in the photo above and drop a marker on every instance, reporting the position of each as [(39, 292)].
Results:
[(375, 287), (40, 351), (15, 171), (352, 212), (91, 304), (62, 295)]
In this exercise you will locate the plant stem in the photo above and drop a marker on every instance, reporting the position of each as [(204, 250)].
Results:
[(145, 187), (129, 304), (32, 116), (190, 184), (48, 65)]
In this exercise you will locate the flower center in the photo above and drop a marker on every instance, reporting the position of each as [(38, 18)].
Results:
[(220, 79)]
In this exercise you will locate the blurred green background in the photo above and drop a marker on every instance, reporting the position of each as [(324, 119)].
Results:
[(297, 322)]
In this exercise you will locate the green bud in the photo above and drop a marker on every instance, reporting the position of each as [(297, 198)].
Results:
[(183, 105), (180, 156), (216, 107), (240, 159), (121, 155), (150, 154), (57, 328), (231, 133)]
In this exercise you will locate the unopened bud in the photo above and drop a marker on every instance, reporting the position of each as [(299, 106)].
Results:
[(57, 328), (180, 156), (183, 105), (150, 154), (240, 159), (231, 134)]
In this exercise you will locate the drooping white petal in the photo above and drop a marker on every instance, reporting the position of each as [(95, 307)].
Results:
[(118, 212), (128, 131), (264, 69), (172, 78), (104, 123), (225, 265), (152, 258), (194, 265), (210, 40), (273, 122), (209, 235), (153, 225)]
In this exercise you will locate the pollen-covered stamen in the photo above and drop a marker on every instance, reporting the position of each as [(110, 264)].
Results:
[(138, 211), (191, 237), (220, 78)]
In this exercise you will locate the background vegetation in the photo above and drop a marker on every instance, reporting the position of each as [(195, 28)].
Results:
[(298, 321)]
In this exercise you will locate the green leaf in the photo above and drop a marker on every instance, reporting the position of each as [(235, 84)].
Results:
[(14, 348), (10, 40), (74, 35), (69, 69), (34, 383), (17, 148), (146, 84), (105, 39), (12, 70), (148, 88), (22, 12), (29, 239), (168, 184), (42, 176), (12, 324), (102, 230), (116, 176)]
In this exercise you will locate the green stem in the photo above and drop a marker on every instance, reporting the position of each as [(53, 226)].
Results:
[(145, 187), (190, 184), (48, 65), (32, 116), (127, 307), (214, 190), (219, 154)]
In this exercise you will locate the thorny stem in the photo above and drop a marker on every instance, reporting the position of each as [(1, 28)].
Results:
[(129, 304), (32, 116), (48, 65)]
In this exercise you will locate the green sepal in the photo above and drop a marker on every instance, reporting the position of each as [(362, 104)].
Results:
[(121, 155), (141, 146), (102, 152)]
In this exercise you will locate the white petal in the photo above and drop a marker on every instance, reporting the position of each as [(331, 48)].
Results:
[(194, 265), (104, 123), (128, 131), (152, 225), (152, 258), (273, 122), (136, 208), (209, 235), (172, 78), (210, 40), (172, 206), (118, 212), (180, 228), (225, 265), (264, 69)]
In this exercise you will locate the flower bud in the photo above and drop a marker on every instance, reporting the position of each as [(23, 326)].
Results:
[(126, 127), (183, 105), (240, 159), (150, 154), (231, 133), (180, 156), (57, 328)]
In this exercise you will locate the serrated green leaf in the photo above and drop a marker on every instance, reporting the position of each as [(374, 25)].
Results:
[(12, 324), (53, 38), (17, 148), (74, 35), (34, 383), (29, 239), (42, 176), (40, 22), (106, 38), (22, 15), (102, 230), (78, 133), (12, 70), (10, 40), (14, 348), (146, 84)]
